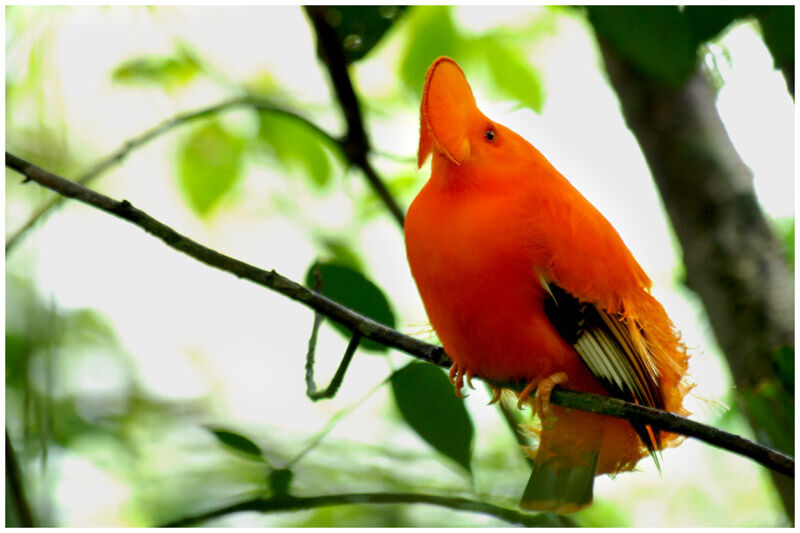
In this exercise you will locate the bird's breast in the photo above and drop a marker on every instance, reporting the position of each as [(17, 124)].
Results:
[(475, 260), (469, 242)]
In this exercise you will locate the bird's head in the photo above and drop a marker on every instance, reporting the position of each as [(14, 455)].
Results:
[(455, 130)]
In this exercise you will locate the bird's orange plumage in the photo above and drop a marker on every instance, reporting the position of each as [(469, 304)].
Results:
[(490, 237)]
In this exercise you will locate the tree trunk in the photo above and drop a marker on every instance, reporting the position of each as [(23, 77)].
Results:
[(733, 260)]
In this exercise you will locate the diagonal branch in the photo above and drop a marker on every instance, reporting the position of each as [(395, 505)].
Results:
[(290, 503), (370, 329), (356, 143)]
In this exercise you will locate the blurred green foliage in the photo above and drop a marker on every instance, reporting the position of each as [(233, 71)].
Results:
[(657, 39), (784, 227), (783, 359), (432, 32), (210, 164), (296, 147), (336, 250), (513, 75), (777, 28), (773, 408), (662, 41), (360, 28), (42, 345), (280, 480), (706, 22), (50, 357), (165, 71)]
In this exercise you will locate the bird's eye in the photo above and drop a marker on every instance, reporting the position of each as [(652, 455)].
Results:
[(490, 135)]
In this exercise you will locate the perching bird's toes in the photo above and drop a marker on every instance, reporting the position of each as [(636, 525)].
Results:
[(457, 379), (545, 388), (469, 375)]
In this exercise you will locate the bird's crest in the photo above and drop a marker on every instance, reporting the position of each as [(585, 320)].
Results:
[(447, 104)]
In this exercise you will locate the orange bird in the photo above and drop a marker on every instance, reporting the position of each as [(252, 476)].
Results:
[(525, 281)]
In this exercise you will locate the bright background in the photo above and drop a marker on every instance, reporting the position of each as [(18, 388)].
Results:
[(109, 418)]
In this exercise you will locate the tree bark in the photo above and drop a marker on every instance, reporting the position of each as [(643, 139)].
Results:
[(733, 260)]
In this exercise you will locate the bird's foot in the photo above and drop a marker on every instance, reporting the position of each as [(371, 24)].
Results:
[(544, 388), (458, 374)]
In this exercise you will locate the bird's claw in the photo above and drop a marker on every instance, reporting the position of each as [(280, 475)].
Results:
[(458, 375), (544, 388)]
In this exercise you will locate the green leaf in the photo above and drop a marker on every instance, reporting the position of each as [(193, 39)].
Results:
[(402, 186), (432, 33), (777, 28), (772, 409), (87, 326), (18, 353), (167, 71), (784, 227), (656, 39), (296, 146), (707, 22), (513, 76), (352, 289), (238, 442), (783, 360), (604, 514), (340, 253), (426, 400), (210, 164), (360, 28)]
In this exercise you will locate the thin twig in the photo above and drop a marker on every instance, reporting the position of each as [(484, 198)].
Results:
[(338, 377), (387, 336), (356, 143), (290, 503), (180, 119), (311, 354)]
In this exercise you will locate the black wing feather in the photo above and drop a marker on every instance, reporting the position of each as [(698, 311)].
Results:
[(604, 344)]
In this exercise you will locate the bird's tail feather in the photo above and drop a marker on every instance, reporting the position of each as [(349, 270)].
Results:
[(560, 489)]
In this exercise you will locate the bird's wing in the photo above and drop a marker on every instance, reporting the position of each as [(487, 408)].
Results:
[(623, 365)]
